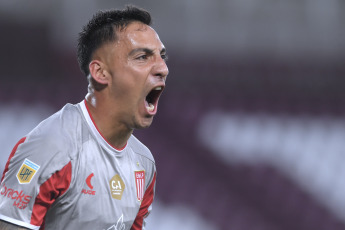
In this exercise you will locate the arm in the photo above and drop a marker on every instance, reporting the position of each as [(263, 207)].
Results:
[(33, 206), (7, 226), (3, 224)]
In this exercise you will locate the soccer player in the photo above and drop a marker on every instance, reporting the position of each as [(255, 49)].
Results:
[(82, 168)]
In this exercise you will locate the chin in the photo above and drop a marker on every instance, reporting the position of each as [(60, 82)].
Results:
[(144, 124)]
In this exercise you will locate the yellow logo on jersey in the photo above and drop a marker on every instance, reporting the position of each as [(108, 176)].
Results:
[(27, 171), (116, 187)]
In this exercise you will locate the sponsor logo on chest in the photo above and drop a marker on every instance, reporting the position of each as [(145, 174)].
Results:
[(89, 191), (117, 186)]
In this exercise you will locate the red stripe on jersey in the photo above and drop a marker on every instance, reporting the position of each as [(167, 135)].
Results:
[(50, 190), (11, 155), (144, 207)]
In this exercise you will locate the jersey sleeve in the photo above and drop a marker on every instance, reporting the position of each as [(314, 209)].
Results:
[(35, 175), (146, 206)]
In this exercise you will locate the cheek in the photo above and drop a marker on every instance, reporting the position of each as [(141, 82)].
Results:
[(126, 91), (129, 82)]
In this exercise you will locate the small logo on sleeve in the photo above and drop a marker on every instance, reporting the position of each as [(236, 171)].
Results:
[(27, 171), (116, 187), (140, 184)]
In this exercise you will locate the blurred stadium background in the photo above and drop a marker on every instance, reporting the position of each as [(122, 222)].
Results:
[(250, 133)]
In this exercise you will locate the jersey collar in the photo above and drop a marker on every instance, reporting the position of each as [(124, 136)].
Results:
[(100, 138)]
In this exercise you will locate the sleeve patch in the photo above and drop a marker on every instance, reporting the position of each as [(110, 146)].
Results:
[(27, 171)]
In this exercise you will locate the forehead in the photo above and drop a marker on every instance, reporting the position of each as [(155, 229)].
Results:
[(137, 35)]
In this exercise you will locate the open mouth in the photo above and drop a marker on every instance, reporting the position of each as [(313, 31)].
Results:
[(151, 100)]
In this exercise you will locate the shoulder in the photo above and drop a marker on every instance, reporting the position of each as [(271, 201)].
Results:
[(67, 117), (60, 132), (140, 149), (144, 158), (53, 143), (59, 127)]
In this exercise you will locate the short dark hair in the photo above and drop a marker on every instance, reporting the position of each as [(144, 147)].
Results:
[(102, 29)]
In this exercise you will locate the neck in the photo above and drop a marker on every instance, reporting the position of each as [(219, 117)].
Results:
[(115, 133)]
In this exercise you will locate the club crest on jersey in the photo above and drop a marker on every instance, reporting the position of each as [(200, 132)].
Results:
[(27, 171), (140, 184), (116, 187)]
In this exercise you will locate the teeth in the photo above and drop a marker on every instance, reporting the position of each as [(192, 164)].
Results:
[(150, 107), (158, 88)]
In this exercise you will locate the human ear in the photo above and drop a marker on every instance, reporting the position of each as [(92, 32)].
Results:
[(98, 73)]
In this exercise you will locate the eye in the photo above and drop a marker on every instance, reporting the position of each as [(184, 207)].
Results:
[(142, 57), (164, 57)]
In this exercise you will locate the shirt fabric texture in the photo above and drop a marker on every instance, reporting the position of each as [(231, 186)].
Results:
[(65, 176)]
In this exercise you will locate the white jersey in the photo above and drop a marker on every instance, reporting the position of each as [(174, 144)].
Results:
[(65, 175)]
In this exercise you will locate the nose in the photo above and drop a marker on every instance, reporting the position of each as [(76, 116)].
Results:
[(160, 68)]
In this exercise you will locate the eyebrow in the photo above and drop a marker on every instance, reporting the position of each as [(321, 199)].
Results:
[(137, 50), (145, 50)]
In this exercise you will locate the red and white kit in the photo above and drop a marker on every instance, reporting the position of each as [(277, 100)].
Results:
[(64, 175)]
